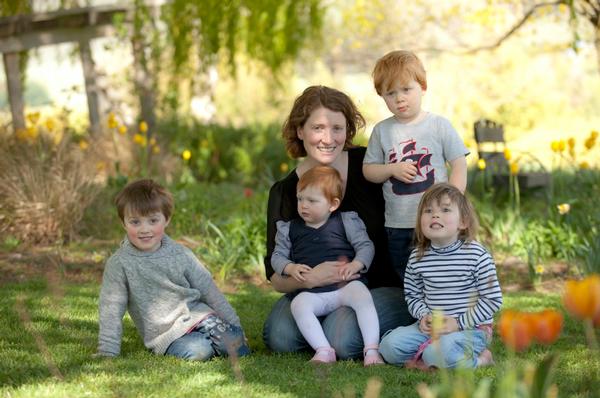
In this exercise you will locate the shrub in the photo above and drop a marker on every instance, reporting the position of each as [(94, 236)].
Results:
[(45, 185)]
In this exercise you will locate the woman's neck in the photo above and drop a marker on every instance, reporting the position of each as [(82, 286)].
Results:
[(340, 164)]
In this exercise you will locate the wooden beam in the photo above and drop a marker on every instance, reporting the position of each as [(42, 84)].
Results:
[(91, 89), (30, 40), (15, 89)]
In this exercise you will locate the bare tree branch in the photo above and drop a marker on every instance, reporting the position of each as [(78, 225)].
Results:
[(516, 26)]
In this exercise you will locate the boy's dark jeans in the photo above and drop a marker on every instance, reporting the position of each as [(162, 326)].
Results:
[(400, 245), (212, 336), (226, 339)]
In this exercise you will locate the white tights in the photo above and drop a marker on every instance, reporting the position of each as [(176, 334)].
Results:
[(307, 306)]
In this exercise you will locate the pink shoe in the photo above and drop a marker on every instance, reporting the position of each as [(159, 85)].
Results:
[(485, 358), (324, 355), (372, 356)]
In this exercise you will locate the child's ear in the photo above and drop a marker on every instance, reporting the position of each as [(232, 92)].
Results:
[(335, 203), (300, 133), (168, 220)]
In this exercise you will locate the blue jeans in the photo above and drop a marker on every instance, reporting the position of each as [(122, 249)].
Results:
[(458, 349), (209, 338), (400, 244), (281, 334)]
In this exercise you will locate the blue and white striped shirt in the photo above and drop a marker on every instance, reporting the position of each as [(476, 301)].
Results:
[(459, 280)]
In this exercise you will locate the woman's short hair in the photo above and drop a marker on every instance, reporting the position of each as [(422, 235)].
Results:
[(315, 97)]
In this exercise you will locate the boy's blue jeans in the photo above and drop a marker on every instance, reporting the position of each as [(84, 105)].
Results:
[(458, 349), (281, 334), (211, 337), (400, 245)]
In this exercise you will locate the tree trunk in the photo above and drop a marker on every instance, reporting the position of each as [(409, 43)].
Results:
[(91, 90), (15, 90)]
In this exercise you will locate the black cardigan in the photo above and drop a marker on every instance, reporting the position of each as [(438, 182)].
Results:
[(361, 196)]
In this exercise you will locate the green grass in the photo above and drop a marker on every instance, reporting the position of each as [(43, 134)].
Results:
[(38, 314)]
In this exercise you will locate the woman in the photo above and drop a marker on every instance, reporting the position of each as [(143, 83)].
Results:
[(320, 128)]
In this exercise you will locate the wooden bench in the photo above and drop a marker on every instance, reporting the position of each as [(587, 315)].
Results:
[(491, 145)]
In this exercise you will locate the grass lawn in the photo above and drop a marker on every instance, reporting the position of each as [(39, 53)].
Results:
[(48, 333)]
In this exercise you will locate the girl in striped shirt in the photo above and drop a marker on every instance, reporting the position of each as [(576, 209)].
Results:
[(450, 286)]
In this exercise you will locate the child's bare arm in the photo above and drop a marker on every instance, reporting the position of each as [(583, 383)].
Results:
[(458, 173), (378, 173)]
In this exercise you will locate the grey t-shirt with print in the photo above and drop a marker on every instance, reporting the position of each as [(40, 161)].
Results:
[(430, 143)]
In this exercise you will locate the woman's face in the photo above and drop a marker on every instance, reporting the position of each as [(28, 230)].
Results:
[(323, 135)]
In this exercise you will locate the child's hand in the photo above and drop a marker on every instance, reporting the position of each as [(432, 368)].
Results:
[(296, 271), (404, 171), (349, 269), (425, 324)]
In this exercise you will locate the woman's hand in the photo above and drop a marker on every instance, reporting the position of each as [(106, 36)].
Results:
[(348, 270), (323, 274), (297, 271), (326, 273)]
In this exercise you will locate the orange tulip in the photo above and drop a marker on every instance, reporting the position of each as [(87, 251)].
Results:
[(547, 326), (516, 329), (582, 298)]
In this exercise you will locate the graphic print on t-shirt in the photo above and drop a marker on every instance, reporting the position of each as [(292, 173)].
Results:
[(422, 160)]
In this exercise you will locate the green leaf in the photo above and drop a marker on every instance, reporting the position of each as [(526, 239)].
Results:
[(542, 379)]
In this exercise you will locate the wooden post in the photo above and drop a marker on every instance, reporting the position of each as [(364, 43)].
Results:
[(91, 90), (144, 85), (15, 89)]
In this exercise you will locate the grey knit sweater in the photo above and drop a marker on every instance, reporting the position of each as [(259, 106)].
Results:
[(166, 293)]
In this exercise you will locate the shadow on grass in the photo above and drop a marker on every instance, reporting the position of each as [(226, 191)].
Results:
[(67, 326)]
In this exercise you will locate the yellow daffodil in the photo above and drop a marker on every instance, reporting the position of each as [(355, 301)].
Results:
[(122, 129), (555, 146), (152, 141), (561, 145), (563, 208), (186, 155), (283, 167), (584, 165), (589, 143), (514, 168), (507, 154), (50, 124), (112, 121), (100, 166), (539, 269), (481, 164), (594, 134), (155, 149), (33, 117), (83, 144), (143, 127), (571, 142), (140, 140), (32, 133)]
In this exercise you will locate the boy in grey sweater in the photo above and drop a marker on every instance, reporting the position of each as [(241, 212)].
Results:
[(171, 297)]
